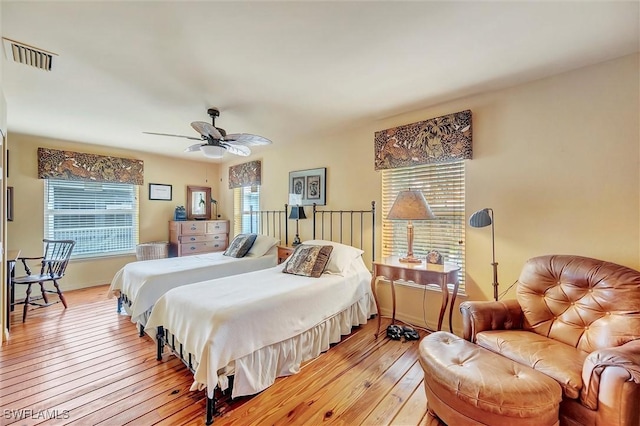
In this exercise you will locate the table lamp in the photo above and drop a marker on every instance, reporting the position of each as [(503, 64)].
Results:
[(297, 212), (410, 205)]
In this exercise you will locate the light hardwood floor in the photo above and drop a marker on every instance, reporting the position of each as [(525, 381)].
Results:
[(88, 366)]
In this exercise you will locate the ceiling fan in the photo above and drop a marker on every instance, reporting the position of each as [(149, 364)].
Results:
[(217, 141)]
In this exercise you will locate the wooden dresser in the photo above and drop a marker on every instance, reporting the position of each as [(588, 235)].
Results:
[(197, 237)]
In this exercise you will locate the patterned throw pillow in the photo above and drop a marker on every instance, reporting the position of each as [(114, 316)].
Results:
[(308, 261), (240, 245)]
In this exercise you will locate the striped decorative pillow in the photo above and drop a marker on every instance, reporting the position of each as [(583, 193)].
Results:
[(240, 245), (308, 261)]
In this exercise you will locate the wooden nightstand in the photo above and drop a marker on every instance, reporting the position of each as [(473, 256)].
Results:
[(284, 252)]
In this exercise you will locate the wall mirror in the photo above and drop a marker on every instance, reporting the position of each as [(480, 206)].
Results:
[(198, 202)]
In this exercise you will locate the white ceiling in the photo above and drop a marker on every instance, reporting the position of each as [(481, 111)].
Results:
[(284, 70)]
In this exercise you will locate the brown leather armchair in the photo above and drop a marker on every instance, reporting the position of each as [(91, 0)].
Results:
[(576, 320)]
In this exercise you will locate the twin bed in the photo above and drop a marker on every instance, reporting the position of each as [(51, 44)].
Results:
[(260, 325), (138, 285)]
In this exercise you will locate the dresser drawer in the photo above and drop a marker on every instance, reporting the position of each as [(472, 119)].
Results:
[(218, 227), (186, 239), (190, 228), (203, 247), (220, 242)]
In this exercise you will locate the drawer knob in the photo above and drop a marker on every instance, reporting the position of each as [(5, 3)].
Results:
[(193, 239)]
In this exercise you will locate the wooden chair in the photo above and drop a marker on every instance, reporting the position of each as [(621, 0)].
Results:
[(52, 268)]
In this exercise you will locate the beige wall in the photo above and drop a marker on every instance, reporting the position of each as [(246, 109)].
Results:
[(3, 126), (26, 230), (557, 159)]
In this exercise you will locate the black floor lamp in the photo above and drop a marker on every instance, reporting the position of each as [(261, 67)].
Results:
[(480, 219)]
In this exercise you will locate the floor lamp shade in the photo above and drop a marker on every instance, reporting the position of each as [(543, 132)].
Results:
[(297, 212), (480, 219), (410, 205)]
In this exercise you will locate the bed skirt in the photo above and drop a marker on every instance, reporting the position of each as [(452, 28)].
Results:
[(259, 370)]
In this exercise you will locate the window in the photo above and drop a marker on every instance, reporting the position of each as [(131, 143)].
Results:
[(101, 217), (245, 199), (443, 187)]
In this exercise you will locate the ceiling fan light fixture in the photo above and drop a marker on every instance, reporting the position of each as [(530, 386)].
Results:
[(214, 141), (212, 151)]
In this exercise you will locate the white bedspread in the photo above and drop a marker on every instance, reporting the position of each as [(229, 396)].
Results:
[(243, 313), (144, 282)]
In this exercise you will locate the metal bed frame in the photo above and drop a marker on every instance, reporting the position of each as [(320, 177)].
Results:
[(327, 217), (270, 222)]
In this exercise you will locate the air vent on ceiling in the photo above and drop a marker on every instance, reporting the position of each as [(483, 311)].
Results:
[(28, 55)]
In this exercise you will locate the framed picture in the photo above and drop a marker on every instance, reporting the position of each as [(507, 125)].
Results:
[(158, 191), (198, 202), (310, 185), (435, 258), (435, 261), (297, 186)]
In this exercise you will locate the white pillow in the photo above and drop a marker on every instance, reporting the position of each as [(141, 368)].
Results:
[(262, 245), (341, 256)]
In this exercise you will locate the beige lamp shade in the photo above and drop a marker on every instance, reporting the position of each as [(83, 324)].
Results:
[(410, 205)]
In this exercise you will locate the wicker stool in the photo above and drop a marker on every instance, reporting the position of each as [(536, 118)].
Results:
[(152, 250), (469, 385)]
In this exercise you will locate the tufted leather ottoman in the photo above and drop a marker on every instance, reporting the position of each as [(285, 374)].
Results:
[(469, 385)]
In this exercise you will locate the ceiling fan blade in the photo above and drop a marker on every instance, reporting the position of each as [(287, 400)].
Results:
[(174, 136), (236, 149), (206, 129), (193, 148), (247, 139)]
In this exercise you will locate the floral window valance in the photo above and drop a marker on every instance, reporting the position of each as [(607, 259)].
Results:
[(436, 140), (245, 174), (69, 165)]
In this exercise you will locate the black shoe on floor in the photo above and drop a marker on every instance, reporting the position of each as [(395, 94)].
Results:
[(409, 333), (394, 332)]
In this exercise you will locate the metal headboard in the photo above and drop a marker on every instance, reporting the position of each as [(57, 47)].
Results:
[(270, 222), (335, 220)]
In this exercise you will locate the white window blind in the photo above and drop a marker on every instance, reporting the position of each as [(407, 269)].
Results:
[(101, 217), (443, 187), (244, 200)]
